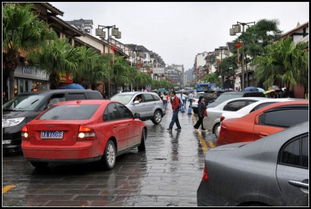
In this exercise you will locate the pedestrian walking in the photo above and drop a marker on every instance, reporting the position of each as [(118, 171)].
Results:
[(201, 113), (176, 103)]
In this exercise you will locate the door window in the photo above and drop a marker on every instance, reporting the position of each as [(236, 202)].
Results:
[(124, 111), (148, 98), (284, 117), (111, 113), (295, 152), (238, 104)]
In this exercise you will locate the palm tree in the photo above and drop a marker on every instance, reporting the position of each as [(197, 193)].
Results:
[(285, 63), (22, 31), (55, 57)]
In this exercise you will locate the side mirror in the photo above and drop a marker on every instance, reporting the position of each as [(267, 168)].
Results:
[(257, 119), (136, 115)]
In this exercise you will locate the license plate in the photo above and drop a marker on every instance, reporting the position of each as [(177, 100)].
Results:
[(52, 134), (6, 141)]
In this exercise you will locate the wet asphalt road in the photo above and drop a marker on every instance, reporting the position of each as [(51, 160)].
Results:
[(167, 174)]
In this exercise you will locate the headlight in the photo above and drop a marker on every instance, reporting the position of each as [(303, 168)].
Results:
[(11, 122)]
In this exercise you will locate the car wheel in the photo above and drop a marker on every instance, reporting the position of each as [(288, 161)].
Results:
[(39, 165), (157, 117), (216, 129), (109, 157), (142, 146)]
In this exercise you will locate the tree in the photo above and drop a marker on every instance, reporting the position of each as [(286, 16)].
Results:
[(55, 57), (285, 63), (22, 31), (212, 78)]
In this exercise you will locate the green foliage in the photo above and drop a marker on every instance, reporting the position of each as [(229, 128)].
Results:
[(284, 63), (212, 78), (228, 65)]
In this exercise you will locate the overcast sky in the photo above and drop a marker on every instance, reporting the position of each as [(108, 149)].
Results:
[(177, 31)]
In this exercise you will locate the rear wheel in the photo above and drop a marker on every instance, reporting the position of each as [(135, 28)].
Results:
[(157, 117), (142, 146), (39, 165), (108, 160)]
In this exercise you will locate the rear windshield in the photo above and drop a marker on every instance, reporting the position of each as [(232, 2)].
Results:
[(70, 112), (122, 98)]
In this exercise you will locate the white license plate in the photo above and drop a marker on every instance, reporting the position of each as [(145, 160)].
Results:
[(6, 141), (52, 134)]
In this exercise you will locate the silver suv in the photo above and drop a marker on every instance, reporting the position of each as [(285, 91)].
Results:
[(148, 104)]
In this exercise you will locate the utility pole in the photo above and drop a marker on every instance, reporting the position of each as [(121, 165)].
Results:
[(233, 31)]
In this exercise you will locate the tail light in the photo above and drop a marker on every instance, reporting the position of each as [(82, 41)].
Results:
[(205, 174), (222, 118), (86, 133), (25, 133)]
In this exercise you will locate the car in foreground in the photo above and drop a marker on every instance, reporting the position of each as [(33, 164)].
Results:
[(25, 107), (233, 94), (272, 171), (82, 131), (228, 114), (212, 121), (263, 122), (148, 104)]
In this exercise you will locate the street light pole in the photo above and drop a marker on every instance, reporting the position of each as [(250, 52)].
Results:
[(233, 31)]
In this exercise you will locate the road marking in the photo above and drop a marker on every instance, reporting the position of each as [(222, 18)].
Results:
[(211, 144), (202, 142), (7, 188)]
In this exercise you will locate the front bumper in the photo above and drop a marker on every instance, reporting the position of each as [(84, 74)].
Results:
[(11, 140)]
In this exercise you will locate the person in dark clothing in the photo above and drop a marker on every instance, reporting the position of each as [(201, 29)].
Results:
[(201, 110), (176, 103)]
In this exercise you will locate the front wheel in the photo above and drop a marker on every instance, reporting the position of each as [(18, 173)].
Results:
[(142, 146), (109, 158), (157, 117)]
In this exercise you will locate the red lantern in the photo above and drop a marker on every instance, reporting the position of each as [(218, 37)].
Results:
[(238, 45)]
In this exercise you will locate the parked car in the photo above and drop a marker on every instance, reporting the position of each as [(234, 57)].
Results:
[(270, 171), (263, 122), (215, 118), (234, 94), (212, 121), (82, 131), (148, 104), (25, 107), (208, 97)]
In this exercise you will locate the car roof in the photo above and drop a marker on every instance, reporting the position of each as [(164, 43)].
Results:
[(90, 101), (64, 91), (136, 92)]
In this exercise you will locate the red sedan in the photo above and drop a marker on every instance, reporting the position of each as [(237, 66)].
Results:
[(263, 122), (82, 130)]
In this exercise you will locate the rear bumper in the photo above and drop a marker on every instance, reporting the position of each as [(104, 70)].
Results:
[(79, 151)]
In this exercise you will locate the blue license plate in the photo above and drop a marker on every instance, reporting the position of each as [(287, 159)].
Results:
[(52, 134)]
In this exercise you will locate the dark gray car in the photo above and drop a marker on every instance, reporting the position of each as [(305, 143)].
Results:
[(270, 171)]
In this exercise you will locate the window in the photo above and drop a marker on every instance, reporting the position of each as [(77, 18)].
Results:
[(56, 98), (75, 96), (111, 112), (148, 98), (124, 112), (70, 112), (284, 117), (94, 95), (295, 152), (236, 105), (261, 105), (155, 98)]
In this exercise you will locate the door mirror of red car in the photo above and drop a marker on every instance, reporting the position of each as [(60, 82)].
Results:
[(137, 115), (257, 119)]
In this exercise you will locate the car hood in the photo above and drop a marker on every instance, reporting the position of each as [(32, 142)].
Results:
[(18, 114)]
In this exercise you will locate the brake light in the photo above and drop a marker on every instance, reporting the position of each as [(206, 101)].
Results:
[(86, 133), (222, 118), (25, 133), (205, 174)]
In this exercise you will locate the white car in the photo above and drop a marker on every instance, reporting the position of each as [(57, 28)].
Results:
[(246, 110), (212, 121)]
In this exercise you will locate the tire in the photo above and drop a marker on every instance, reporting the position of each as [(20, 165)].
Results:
[(215, 129), (108, 159), (157, 117), (39, 165), (142, 147)]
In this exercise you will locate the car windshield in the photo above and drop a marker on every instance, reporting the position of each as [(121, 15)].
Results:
[(70, 112), (23, 103), (123, 98)]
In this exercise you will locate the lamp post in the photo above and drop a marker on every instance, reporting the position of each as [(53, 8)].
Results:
[(117, 34), (233, 31)]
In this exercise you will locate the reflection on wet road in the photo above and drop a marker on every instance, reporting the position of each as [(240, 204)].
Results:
[(167, 174)]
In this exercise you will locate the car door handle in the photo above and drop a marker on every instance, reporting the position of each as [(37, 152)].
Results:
[(299, 184), (262, 134)]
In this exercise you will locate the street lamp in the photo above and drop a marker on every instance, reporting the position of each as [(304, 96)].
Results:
[(236, 28), (102, 34)]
